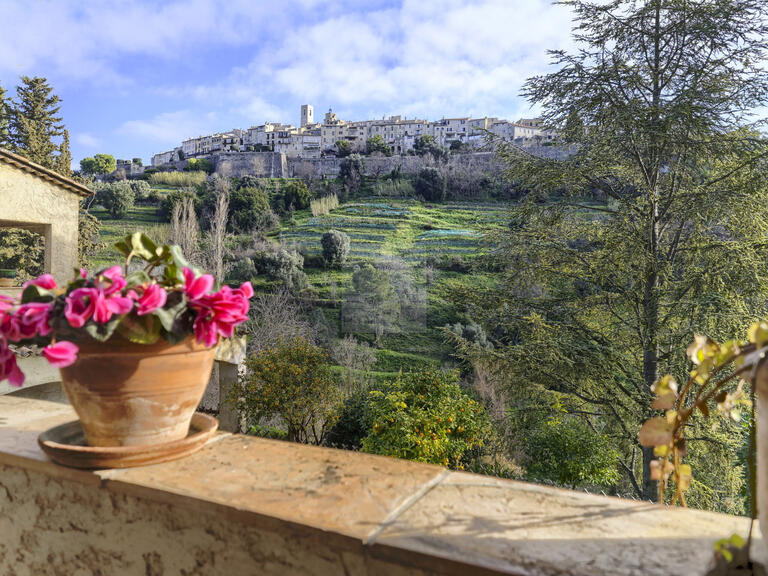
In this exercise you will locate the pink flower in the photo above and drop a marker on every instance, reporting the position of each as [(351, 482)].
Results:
[(28, 321), (154, 297), (9, 370), (105, 306), (45, 281), (6, 303), (116, 280), (196, 288), (83, 273), (61, 354), (220, 313), (79, 306)]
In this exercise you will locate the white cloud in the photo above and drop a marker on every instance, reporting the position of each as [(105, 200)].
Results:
[(170, 128), (87, 140)]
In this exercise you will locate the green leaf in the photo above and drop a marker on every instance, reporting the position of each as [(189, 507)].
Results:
[(34, 293), (124, 247), (178, 259), (136, 278), (170, 313), (140, 329), (144, 247), (102, 332)]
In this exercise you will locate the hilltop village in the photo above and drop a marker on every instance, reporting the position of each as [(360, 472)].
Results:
[(312, 140)]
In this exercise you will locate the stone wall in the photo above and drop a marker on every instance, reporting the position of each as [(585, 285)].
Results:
[(42, 206), (246, 505), (261, 164)]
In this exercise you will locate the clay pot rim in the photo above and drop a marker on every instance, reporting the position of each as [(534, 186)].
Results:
[(119, 345)]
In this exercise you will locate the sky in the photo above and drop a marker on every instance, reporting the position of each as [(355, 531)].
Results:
[(137, 78)]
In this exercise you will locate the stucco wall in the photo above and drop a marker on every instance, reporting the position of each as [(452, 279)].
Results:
[(43, 207)]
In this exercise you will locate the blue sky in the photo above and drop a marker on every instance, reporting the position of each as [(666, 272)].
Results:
[(138, 77)]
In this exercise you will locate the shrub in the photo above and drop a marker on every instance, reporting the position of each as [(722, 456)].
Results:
[(377, 144), (427, 417), (199, 164), (178, 179), (293, 196), (354, 423), (246, 205), (566, 451), (176, 196), (241, 271), (23, 251), (343, 148), (324, 205), (141, 190), (292, 381), (87, 238), (281, 264), (430, 184), (335, 247), (351, 173), (117, 199)]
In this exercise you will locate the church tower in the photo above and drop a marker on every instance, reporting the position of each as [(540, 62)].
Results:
[(307, 115)]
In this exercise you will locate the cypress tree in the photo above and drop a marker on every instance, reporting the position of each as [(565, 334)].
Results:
[(5, 120), (35, 122), (64, 159)]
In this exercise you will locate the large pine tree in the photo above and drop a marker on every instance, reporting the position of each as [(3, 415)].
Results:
[(35, 123), (652, 229)]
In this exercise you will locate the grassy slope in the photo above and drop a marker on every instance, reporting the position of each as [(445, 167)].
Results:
[(401, 228), (410, 231)]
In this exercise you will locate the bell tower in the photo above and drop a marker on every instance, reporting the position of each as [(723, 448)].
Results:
[(307, 115)]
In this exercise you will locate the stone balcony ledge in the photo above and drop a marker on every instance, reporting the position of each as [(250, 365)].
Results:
[(245, 505)]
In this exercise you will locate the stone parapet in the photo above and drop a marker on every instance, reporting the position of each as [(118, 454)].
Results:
[(246, 505)]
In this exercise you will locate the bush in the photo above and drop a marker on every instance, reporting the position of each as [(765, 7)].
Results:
[(292, 381), (353, 425), (293, 196), (117, 199), (246, 205), (324, 205), (351, 171), (178, 179), (281, 264), (566, 451), (430, 185), (335, 247), (172, 198), (241, 271), (427, 417), (376, 144), (141, 190), (87, 238), (23, 251), (199, 164)]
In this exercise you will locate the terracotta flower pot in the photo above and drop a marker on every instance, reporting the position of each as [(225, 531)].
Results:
[(131, 394)]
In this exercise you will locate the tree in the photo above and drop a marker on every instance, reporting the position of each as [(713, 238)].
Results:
[(246, 207), (600, 297), (357, 359), (217, 234), (427, 417), (373, 306), (343, 148), (5, 120), (35, 124), (98, 164), (351, 173), (292, 380), (426, 144), (63, 162), (335, 247), (431, 184), (117, 199), (376, 143), (293, 196)]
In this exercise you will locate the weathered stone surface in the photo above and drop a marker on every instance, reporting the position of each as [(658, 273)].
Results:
[(334, 490), (245, 505), (43, 206), (521, 528)]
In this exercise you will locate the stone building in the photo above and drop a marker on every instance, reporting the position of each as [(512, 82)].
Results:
[(45, 202)]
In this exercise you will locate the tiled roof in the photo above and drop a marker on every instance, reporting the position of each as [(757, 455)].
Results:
[(44, 173)]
